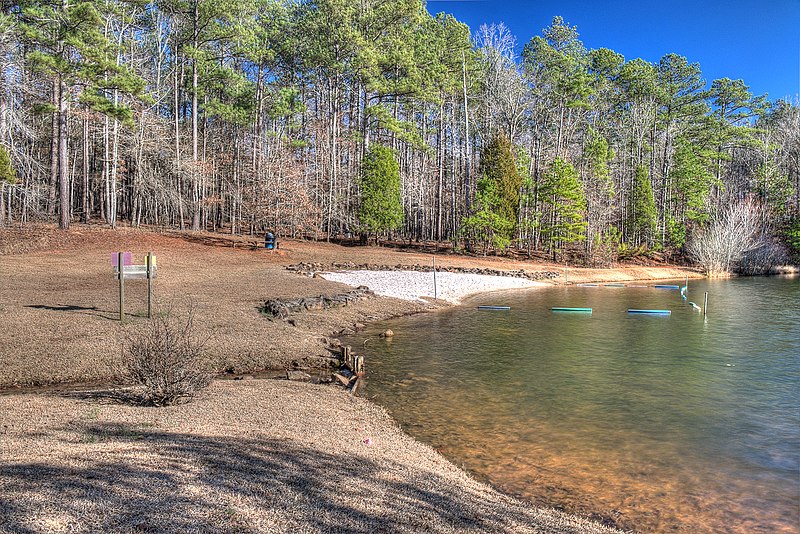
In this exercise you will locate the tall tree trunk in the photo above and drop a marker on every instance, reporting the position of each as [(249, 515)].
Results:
[(107, 188), (440, 181), (51, 195), (178, 170), (114, 172), (65, 200), (467, 197), (195, 179), (2, 203), (85, 171)]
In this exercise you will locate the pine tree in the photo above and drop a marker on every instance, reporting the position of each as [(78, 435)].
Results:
[(380, 208), (498, 195), (66, 44), (563, 207), (8, 175), (486, 225), (498, 167), (642, 214)]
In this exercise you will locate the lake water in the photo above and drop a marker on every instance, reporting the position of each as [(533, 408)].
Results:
[(654, 423)]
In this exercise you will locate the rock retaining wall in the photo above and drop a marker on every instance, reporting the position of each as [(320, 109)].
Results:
[(309, 269), (282, 308)]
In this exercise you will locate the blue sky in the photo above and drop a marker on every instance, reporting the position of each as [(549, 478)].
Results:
[(757, 41)]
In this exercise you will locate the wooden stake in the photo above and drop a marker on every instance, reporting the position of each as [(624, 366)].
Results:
[(705, 304), (121, 264), (346, 357)]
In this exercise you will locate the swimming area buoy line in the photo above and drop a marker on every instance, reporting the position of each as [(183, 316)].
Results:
[(633, 311)]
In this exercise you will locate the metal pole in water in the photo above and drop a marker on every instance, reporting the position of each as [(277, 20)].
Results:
[(705, 304), (435, 292)]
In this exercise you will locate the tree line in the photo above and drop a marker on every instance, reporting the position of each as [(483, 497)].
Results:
[(287, 115)]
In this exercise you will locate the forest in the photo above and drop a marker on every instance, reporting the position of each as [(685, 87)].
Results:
[(335, 118)]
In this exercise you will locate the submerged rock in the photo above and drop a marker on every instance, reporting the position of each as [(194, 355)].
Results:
[(298, 376)]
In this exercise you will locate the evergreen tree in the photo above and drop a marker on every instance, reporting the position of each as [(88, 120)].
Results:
[(642, 214), (8, 175), (498, 196), (733, 107), (486, 224), (380, 208), (563, 207), (499, 168), (600, 187), (693, 182), (66, 44)]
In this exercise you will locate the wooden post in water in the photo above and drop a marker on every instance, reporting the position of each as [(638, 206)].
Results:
[(358, 369), (121, 265), (347, 356), (705, 304), (149, 285), (435, 292)]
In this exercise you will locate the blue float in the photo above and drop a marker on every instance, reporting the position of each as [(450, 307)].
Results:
[(650, 312)]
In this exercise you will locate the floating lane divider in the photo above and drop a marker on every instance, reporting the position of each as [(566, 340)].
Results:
[(613, 285), (667, 287), (650, 312), (573, 310), (494, 307), (587, 285)]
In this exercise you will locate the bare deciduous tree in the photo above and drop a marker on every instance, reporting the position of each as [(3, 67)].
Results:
[(740, 230)]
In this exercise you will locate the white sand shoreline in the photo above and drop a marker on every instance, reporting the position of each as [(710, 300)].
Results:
[(417, 286)]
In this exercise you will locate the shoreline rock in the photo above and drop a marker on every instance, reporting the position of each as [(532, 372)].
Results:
[(311, 269)]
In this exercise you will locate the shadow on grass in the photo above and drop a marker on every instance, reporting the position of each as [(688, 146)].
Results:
[(112, 395), (168, 482), (86, 310)]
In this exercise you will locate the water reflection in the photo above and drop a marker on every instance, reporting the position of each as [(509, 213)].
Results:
[(653, 423)]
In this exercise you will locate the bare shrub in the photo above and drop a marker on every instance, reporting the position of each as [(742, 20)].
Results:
[(738, 231), (763, 259), (166, 360)]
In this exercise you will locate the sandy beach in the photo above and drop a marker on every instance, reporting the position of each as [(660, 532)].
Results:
[(418, 286), (247, 456)]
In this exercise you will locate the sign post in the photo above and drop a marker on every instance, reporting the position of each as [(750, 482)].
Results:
[(149, 285), (121, 264)]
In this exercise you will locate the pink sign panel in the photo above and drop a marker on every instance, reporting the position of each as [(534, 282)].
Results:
[(127, 259)]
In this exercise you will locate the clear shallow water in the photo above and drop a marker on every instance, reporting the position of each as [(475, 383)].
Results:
[(654, 423)]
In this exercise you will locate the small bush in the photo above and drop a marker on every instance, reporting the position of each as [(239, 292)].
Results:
[(166, 361), (762, 259)]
